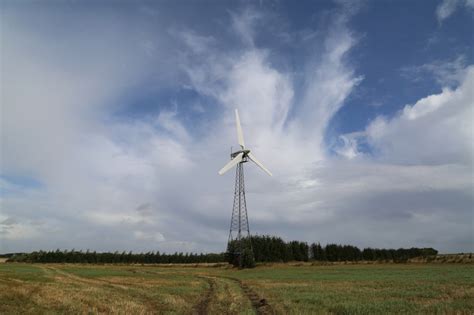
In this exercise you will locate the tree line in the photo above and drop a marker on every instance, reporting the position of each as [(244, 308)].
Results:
[(274, 249), (73, 256), (335, 252), (264, 249)]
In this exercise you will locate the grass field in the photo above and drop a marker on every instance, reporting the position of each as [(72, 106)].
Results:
[(338, 289)]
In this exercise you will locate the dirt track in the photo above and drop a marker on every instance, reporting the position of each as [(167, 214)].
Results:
[(259, 304), (203, 306)]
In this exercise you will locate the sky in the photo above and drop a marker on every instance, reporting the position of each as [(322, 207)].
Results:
[(117, 115)]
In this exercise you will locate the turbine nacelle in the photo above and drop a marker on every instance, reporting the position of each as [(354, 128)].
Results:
[(245, 152), (242, 155)]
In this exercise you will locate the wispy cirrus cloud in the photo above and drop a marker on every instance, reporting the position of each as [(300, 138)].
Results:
[(446, 73), (447, 7)]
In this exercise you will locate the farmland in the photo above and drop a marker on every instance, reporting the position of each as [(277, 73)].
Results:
[(280, 289)]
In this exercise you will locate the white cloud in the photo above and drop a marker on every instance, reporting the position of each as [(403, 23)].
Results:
[(446, 73), (152, 183), (447, 7), (244, 24), (196, 43), (417, 181), (248, 81), (436, 129), (168, 121), (104, 172), (349, 146)]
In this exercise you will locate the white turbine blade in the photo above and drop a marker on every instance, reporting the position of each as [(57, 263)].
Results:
[(250, 155), (240, 135), (233, 162)]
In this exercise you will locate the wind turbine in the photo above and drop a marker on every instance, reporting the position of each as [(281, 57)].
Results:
[(239, 222)]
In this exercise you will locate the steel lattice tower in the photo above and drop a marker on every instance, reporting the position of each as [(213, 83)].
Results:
[(239, 223), (239, 235)]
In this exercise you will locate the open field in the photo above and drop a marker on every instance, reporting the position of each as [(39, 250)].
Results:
[(338, 289)]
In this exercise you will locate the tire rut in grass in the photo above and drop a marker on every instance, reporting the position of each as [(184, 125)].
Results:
[(259, 303), (203, 306)]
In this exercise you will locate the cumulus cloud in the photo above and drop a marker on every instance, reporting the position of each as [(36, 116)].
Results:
[(414, 135), (422, 157)]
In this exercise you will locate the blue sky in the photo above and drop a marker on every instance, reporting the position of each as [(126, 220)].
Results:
[(117, 116)]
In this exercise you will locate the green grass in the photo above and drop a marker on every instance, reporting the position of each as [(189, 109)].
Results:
[(335, 289), (97, 272), (363, 289), (30, 273)]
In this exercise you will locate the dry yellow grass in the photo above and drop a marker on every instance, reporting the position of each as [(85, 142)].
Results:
[(54, 289)]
